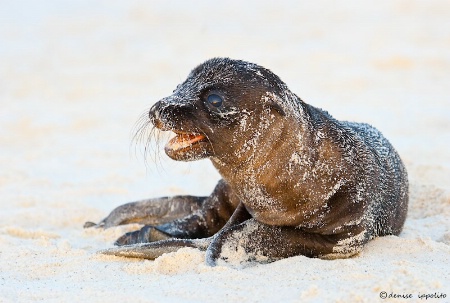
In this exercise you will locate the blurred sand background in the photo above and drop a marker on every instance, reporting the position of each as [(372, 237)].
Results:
[(76, 75)]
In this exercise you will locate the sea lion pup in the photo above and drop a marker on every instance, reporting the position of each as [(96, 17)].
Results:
[(296, 181)]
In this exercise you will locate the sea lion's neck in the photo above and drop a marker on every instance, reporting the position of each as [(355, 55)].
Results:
[(267, 150)]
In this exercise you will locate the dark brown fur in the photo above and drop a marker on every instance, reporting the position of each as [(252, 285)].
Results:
[(298, 181)]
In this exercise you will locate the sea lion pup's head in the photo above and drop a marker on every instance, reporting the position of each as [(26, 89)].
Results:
[(222, 106)]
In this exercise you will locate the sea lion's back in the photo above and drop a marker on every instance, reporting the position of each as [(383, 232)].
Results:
[(392, 179)]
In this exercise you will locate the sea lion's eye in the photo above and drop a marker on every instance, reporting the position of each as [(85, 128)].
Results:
[(215, 100)]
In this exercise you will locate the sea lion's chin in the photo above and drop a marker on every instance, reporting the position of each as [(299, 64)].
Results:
[(188, 147)]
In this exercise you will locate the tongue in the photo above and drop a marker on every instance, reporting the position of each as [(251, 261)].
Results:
[(184, 140)]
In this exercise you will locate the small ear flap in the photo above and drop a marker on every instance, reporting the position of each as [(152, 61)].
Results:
[(277, 108), (270, 100)]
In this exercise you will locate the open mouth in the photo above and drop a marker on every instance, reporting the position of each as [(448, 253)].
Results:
[(184, 141), (188, 146)]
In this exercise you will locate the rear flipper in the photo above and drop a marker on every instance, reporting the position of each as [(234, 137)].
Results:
[(146, 234), (152, 211)]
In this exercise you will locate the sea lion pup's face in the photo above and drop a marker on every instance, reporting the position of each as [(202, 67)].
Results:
[(218, 108)]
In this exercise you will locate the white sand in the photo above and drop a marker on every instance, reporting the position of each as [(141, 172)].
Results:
[(76, 75)]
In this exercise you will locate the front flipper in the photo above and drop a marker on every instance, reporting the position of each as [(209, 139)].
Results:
[(155, 249), (151, 212), (254, 241)]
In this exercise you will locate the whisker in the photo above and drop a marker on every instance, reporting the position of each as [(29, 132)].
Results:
[(144, 133)]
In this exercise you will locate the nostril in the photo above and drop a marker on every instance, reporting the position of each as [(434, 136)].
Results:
[(156, 121), (159, 125)]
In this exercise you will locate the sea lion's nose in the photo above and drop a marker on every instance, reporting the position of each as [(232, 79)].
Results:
[(167, 113), (171, 113), (156, 117)]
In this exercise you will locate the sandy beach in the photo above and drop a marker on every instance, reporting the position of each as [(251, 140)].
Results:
[(75, 76)]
